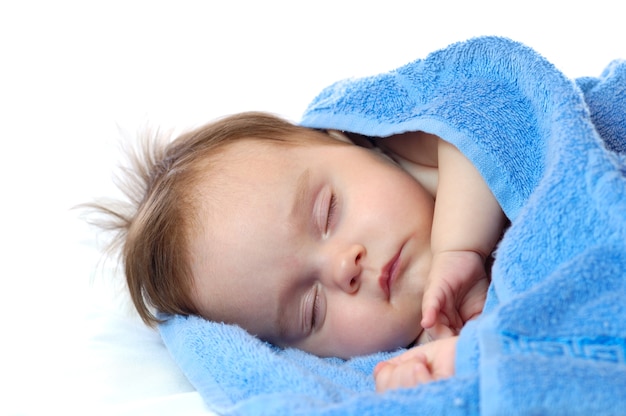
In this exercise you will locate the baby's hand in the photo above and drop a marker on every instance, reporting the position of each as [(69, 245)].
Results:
[(418, 365), (455, 293)]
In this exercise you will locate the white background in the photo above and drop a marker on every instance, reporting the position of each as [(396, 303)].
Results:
[(75, 77)]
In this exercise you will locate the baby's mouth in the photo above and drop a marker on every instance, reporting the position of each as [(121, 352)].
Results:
[(389, 274)]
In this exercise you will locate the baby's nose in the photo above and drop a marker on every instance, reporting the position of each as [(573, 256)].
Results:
[(346, 270)]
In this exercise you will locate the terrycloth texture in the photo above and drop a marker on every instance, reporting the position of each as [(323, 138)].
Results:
[(552, 338)]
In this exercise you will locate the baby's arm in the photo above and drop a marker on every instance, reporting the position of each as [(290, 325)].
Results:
[(467, 224), (421, 364)]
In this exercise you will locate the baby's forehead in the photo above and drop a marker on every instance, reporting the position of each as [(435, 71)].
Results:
[(233, 173), (255, 146), (229, 173), (250, 160)]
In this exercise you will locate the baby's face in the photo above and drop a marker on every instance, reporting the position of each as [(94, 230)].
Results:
[(323, 247)]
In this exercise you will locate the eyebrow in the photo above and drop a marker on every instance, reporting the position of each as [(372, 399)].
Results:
[(300, 201)]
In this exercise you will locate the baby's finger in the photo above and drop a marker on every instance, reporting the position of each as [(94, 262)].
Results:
[(429, 316), (452, 317), (421, 373), (402, 375), (379, 367), (432, 303), (383, 376), (410, 354)]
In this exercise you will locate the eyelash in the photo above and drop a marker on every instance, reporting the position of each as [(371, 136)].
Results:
[(332, 205), (315, 308)]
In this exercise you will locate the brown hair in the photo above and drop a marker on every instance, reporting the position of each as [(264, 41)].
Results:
[(152, 227)]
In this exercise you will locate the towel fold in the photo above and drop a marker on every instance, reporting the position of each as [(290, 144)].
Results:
[(552, 337)]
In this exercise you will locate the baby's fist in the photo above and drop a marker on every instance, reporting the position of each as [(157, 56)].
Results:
[(407, 373), (418, 365)]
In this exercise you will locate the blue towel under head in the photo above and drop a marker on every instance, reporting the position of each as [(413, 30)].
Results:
[(552, 338)]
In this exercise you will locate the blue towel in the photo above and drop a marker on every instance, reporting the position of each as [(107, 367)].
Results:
[(552, 337)]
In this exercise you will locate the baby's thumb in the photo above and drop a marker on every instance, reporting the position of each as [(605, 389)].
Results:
[(429, 316), (431, 307)]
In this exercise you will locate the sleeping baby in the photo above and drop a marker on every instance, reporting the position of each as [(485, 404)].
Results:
[(331, 242)]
